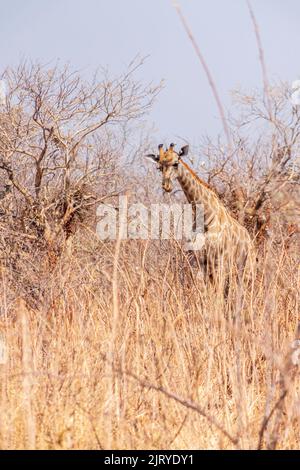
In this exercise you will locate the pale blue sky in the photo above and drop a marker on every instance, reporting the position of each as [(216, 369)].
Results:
[(89, 33)]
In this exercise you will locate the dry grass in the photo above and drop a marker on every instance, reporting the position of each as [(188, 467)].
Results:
[(127, 353)]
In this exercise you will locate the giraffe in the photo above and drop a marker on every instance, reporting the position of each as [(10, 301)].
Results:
[(227, 244)]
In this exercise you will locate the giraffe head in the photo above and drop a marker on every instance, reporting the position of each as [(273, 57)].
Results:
[(167, 162)]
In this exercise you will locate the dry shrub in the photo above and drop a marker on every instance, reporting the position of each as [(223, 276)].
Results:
[(61, 146)]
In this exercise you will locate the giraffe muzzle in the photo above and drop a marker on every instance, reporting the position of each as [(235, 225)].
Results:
[(167, 186)]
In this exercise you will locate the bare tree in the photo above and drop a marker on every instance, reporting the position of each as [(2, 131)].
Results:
[(60, 144), (54, 129), (259, 178)]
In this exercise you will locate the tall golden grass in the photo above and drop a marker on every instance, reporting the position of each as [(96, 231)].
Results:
[(126, 352)]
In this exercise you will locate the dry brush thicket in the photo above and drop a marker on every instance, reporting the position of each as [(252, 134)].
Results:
[(113, 344)]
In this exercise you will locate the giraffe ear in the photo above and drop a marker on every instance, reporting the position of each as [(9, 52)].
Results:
[(152, 157), (184, 151)]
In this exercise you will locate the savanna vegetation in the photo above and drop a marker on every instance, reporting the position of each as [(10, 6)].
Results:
[(111, 344)]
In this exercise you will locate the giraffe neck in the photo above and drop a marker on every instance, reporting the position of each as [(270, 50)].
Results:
[(198, 192)]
